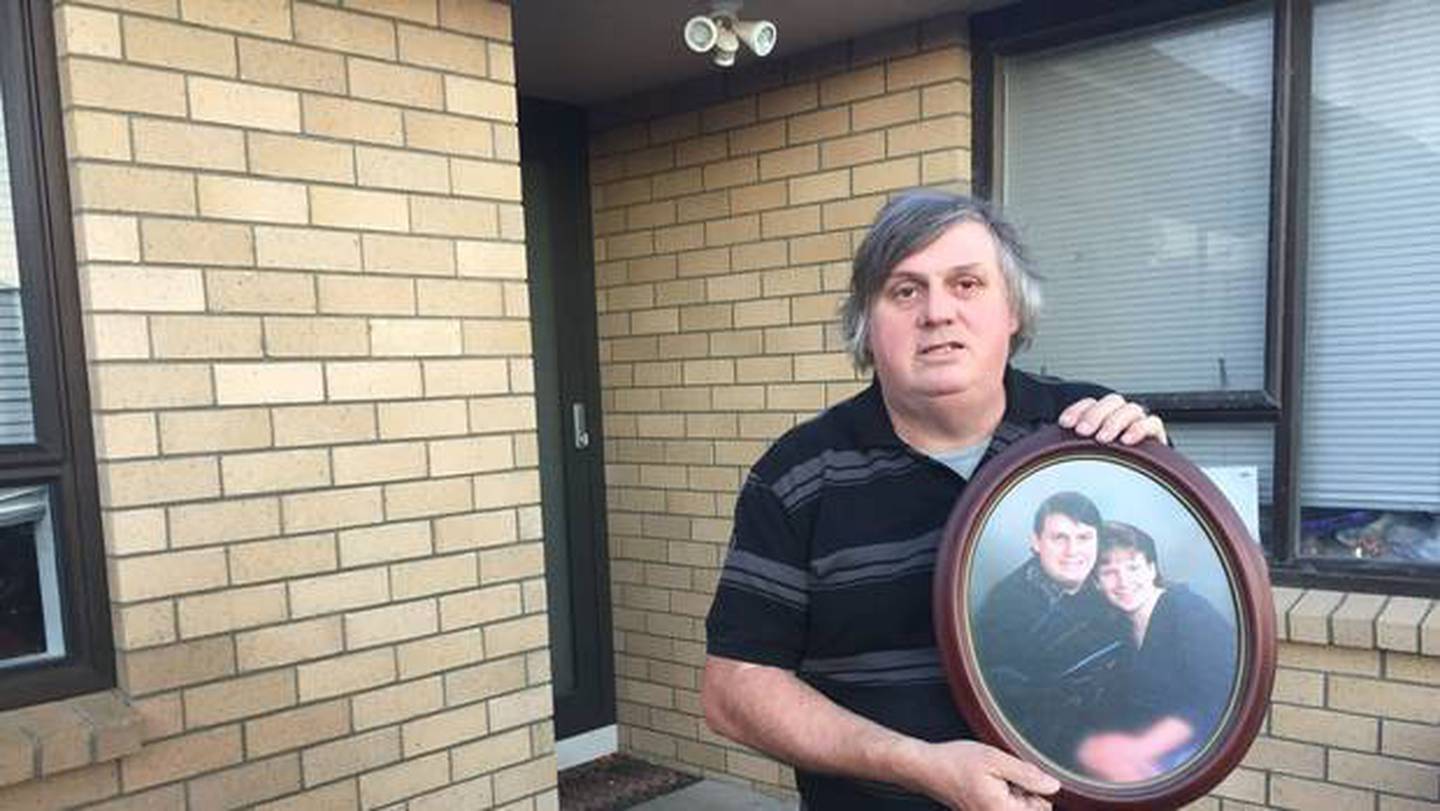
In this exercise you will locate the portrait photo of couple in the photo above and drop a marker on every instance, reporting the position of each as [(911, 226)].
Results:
[(1103, 622)]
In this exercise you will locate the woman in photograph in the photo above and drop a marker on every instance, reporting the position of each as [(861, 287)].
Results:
[(1167, 703)]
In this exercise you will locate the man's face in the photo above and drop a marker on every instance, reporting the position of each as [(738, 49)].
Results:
[(1066, 549), (942, 322)]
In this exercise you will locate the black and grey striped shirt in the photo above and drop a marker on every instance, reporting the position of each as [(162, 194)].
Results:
[(830, 566)]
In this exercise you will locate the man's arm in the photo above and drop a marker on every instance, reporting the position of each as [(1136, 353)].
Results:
[(772, 710)]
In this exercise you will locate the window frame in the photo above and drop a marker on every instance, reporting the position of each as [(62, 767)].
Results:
[(1036, 25), (62, 455)]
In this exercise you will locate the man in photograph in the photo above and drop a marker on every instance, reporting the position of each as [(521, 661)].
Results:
[(821, 646), (1043, 635)]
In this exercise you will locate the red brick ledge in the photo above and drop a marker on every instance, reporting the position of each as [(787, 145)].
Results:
[(1366, 621), (50, 738)]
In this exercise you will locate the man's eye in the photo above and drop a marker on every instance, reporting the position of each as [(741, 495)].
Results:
[(904, 291)]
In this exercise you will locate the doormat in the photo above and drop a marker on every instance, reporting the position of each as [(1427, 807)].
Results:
[(614, 782)]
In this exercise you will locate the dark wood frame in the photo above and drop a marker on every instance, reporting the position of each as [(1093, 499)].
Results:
[(1244, 565), (62, 455), (1036, 25)]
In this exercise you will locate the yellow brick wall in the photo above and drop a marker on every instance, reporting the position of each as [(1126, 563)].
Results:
[(302, 266), (723, 236)]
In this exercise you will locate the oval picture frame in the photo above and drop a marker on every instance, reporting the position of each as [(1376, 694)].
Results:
[(1097, 679)]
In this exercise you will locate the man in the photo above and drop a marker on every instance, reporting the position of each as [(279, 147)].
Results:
[(821, 647), (1048, 644)]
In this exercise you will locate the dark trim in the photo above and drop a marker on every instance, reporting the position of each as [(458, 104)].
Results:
[(1211, 406), (1289, 220), (1035, 26), (63, 455)]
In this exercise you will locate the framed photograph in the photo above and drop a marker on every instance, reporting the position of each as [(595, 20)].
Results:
[(1103, 613)]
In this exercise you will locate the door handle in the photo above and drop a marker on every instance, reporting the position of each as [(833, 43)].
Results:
[(577, 424)]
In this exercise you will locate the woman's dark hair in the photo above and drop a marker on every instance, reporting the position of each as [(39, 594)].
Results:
[(908, 224), (1119, 536)]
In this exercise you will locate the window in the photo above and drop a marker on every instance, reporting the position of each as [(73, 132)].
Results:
[(1233, 208), (54, 625)]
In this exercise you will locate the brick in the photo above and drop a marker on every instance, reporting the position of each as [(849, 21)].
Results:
[(432, 497), (90, 134), (1325, 727), (501, 59), (1398, 738), (117, 337), (270, 18), (885, 176), (239, 698), (824, 186), (443, 50), (401, 169), (736, 172), (338, 30), (341, 796), (156, 669), (125, 88), (140, 288), (169, 574), (1398, 626), (895, 108), (177, 758), (286, 557), (317, 338), (372, 380), (485, 680), (120, 436), (852, 85), (451, 378), (354, 208), (476, 607), (175, 143), (102, 238), (454, 217), (1387, 699), (512, 636), (927, 136), (459, 298), (946, 166), (415, 337), (419, 419), (387, 542), (371, 463), (184, 336), (1385, 774), (272, 471), (350, 295), (390, 623), (400, 702), (402, 9), (475, 529), (260, 292), (246, 785), (433, 576), (499, 181), (253, 200), (244, 105), (270, 382), (323, 425), (517, 781), (129, 484), (133, 189), (338, 592), (480, 98), (455, 135), (353, 755), (490, 20), (190, 242), (281, 645), (349, 119), (507, 489), (286, 65), (496, 751), (444, 729), (307, 249), (216, 522), (491, 259), (184, 47), (345, 674), (1332, 659), (468, 794), (944, 65), (438, 653), (229, 610), (411, 777), (88, 31)]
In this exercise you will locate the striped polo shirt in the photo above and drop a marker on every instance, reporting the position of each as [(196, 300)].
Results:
[(830, 566)]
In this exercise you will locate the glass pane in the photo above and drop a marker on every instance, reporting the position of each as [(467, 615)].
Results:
[(1240, 460), (1139, 172), (17, 419), (1370, 442), (30, 626)]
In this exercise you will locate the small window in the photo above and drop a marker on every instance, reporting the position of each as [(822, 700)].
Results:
[(55, 636)]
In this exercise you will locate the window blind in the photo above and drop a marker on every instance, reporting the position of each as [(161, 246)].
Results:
[(1371, 423), (1138, 170)]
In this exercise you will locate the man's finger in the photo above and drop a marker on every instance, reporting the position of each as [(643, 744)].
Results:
[(1151, 426), (1118, 420), (1072, 413), (1026, 776), (1093, 416)]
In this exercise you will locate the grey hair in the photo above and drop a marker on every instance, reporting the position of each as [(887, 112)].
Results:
[(908, 224)]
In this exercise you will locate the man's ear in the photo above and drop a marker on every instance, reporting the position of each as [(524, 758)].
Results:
[(1035, 543)]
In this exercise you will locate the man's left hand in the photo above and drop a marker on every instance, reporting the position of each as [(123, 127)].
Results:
[(1111, 417)]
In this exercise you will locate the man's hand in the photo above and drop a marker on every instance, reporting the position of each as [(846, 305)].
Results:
[(1111, 417), (971, 776)]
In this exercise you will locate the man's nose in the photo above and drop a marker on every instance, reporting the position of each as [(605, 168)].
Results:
[(937, 309)]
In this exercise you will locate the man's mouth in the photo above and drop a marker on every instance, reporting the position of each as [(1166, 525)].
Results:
[(942, 348)]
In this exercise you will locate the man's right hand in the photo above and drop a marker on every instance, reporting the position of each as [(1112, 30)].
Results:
[(971, 776)]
